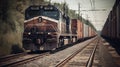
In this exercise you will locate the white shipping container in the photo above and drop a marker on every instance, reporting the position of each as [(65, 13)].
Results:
[(86, 30)]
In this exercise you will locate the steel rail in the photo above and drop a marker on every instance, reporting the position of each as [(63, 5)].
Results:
[(63, 62), (91, 58), (14, 64), (5, 58)]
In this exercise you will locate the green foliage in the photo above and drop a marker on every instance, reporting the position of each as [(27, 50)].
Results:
[(65, 9), (12, 23)]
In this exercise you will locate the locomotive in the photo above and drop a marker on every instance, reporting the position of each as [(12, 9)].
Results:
[(47, 28)]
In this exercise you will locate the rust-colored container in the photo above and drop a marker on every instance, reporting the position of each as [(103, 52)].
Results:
[(74, 26), (77, 28), (92, 32)]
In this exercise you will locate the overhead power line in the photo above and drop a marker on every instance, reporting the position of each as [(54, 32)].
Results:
[(95, 10)]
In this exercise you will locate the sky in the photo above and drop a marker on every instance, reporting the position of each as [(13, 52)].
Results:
[(97, 17)]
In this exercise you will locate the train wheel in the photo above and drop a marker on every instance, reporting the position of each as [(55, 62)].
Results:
[(61, 42), (69, 40)]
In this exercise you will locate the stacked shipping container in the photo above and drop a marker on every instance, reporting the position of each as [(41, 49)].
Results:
[(86, 30), (79, 29), (83, 31)]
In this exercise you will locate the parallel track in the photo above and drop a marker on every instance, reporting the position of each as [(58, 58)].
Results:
[(67, 59), (91, 58), (22, 59), (13, 56)]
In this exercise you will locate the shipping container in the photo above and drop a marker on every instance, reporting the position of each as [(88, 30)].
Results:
[(74, 26), (90, 31), (86, 31), (118, 21), (77, 28)]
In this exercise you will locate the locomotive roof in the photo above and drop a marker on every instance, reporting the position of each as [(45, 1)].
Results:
[(44, 7)]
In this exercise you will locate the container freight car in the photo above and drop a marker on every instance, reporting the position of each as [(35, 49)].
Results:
[(77, 28), (83, 31), (91, 32), (46, 28), (86, 31), (111, 29)]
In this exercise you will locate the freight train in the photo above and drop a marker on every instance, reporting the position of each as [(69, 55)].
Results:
[(47, 28), (111, 29)]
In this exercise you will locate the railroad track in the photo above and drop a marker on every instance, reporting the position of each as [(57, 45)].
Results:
[(12, 56), (89, 61), (19, 59)]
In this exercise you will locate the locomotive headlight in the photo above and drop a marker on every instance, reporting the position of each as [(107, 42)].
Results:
[(49, 33), (29, 33), (40, 19)]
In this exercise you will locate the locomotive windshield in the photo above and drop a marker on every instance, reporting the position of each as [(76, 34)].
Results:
[(32, 14), (51, 12)]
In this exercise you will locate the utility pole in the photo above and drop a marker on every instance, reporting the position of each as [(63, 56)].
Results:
[(81, 17), (49, 2), (65, 8), (78, 10)]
